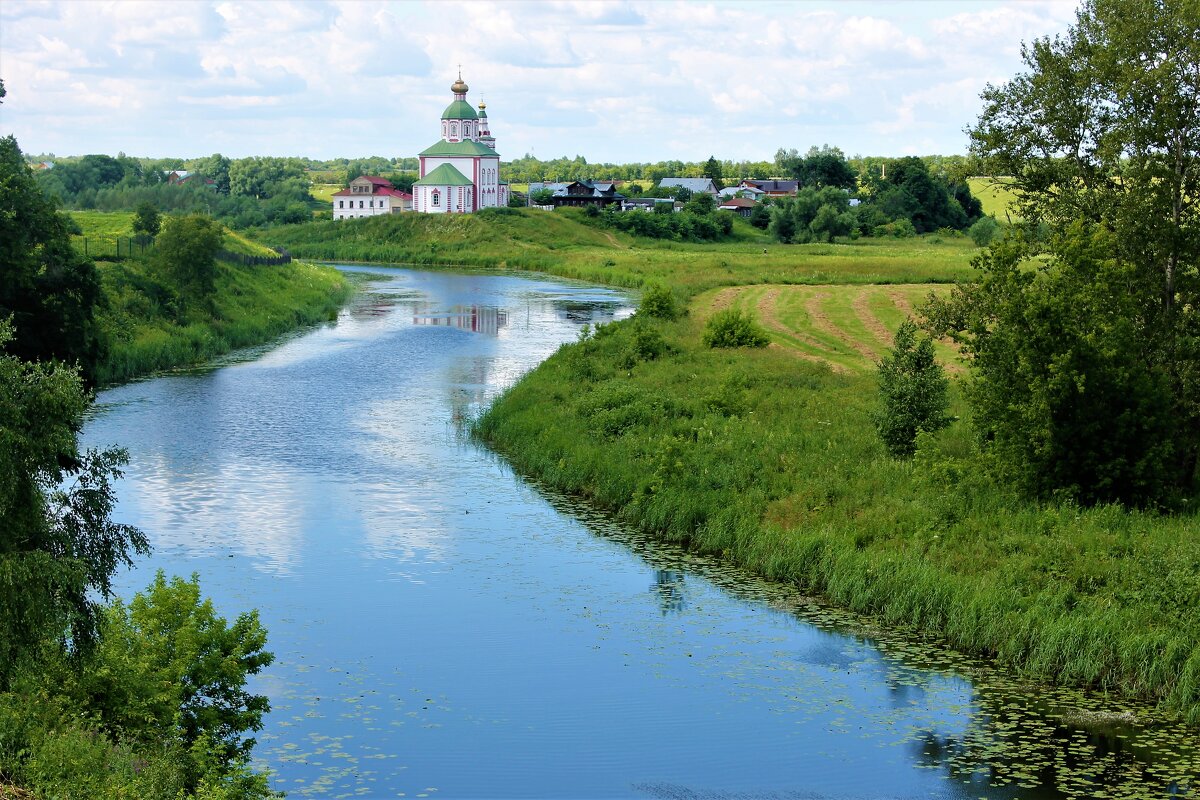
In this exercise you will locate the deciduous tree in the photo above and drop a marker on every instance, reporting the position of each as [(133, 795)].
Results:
[(1101, 138)]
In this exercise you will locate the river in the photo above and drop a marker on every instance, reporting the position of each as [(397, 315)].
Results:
[(443, 628)]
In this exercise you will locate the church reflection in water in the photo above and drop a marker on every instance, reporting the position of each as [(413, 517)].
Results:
[(487, 320)]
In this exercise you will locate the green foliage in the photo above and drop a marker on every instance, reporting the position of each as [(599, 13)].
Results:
[(47, 289), (914, 393), (658, 301), (820, 167), (714, 170), (773, 463), (541, 197), (1061, 391), (1102, 129), (147, 221), (57, 543), (157, 709), (186, 253), (984, 231), (169, 659), (732, 327), (701, 203), (813, 214)]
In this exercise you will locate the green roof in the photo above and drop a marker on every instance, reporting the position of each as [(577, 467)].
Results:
[(459, 109), (463, 149), (445, 175)]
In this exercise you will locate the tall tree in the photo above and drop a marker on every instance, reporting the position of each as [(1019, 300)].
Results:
[(1101, 137), (58, 547), (186, 253), (713, 169), (47, 289)]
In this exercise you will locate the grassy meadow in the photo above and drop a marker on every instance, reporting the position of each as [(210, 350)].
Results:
[(997, 199), (147, 329), (771, 461)]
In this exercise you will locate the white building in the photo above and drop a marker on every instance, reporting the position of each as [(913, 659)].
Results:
[(461, 173), (369, 196)]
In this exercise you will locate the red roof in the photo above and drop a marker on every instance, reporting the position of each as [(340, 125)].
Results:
[(739, 202), (376, 181), (376, 190)]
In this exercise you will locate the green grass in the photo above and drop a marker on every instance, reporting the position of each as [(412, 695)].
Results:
[(102, 229), (324, 191), (997, 199), (255, 304), (146, 329)]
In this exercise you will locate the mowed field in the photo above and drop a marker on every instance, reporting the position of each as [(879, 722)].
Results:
[(849, 328)]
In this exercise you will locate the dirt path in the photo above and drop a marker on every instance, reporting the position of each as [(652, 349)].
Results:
[(871, 322), (901, 302), (822, 322)]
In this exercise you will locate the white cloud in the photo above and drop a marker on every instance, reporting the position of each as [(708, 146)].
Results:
[(620, 81)]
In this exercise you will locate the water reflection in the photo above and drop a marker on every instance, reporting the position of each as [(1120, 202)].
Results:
[(476, 319), (668, 588)]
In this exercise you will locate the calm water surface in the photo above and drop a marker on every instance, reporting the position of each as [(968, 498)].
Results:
[(443, 629)]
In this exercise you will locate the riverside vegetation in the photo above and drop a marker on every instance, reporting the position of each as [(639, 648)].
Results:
[(99, 698), (768, 456), (147, 328)]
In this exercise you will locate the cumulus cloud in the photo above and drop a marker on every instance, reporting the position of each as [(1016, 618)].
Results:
[(614, 81)]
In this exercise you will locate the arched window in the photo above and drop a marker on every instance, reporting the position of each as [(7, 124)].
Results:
[(437, 198)]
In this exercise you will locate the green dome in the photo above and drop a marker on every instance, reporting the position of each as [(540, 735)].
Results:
[(459, 109)]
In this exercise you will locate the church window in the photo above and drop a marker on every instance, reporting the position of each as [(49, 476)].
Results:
[(437, 199)]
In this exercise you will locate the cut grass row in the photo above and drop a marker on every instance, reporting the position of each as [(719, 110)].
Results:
[(847, 327)]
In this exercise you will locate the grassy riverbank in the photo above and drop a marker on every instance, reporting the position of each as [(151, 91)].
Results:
[(146, 329), (771, 460)]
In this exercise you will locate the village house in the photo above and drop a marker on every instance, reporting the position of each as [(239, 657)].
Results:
[(578, 193), (739, 205), (772, 188), (369, 196)]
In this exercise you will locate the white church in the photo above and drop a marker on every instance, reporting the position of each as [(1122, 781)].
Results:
[(460, 173)]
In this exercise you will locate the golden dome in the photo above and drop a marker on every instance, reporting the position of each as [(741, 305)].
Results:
[(458, 87)]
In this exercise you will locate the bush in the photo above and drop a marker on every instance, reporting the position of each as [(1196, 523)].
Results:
[(913, 389), (657, 301), (984, 230), (733, 328)]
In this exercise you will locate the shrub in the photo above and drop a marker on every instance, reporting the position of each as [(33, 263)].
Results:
[(984, 230), (657, 301), (733, 328), (913, 389)]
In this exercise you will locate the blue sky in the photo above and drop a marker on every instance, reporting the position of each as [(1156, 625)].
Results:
[(612, 81)]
